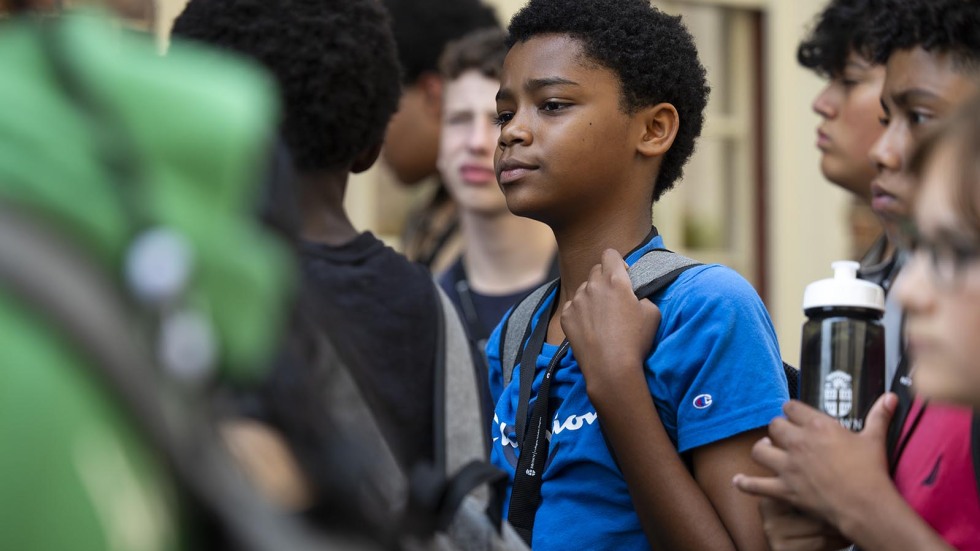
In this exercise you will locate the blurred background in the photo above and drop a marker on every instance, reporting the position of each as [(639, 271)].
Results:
[(753, 196)]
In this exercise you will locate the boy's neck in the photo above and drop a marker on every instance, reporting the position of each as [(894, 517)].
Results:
[(505, 253), (580, 247), (321, 197)]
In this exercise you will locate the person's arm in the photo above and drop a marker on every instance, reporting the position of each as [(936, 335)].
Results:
[(611, 333), (839, 476), (788, 528), (714, 466)]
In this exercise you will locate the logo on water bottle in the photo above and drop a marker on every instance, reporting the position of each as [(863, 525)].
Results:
[(838, 394)]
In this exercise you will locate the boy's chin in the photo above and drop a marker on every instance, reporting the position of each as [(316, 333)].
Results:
[(524, 210), (939, 382)]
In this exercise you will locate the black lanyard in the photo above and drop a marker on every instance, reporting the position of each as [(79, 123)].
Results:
[(478, 332), (533, 434)]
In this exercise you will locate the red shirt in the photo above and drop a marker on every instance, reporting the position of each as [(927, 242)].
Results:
[(935, 473)]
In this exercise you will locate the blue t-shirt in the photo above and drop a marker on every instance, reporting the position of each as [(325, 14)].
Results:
[(715, 372)]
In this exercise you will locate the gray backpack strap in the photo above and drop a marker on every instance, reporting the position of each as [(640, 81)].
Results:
[(516, 327), (656, 270), (462, 432)]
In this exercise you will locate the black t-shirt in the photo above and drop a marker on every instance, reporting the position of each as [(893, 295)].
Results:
[(378, 309), (481, 313)]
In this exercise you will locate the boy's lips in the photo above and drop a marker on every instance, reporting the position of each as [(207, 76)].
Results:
[(511, 170), (823, 140), (477, 174), (881, 200)]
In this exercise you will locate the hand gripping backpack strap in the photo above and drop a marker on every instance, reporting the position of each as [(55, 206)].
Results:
[(651, 273)]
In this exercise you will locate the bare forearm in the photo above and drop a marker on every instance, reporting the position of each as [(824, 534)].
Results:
[(886, 522), (674, 511)]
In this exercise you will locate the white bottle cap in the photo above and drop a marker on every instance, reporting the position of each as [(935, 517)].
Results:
[(844, 289)]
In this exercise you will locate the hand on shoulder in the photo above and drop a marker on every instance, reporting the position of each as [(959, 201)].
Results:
[(611, 332)]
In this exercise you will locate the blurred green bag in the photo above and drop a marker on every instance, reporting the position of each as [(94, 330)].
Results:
[(133, 274)]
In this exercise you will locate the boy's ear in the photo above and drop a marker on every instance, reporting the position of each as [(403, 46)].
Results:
[(660, 125), (430, 84), (365, 159)]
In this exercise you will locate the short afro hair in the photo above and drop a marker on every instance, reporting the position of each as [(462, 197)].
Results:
[(334, 60), (423, 28), (652, 53), (842, 28), (483, 50), (937, 26)]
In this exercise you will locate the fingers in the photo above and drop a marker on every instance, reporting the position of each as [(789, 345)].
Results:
[(596, 272), (789, 529), (800, 413), (763, 486), (612, 261), (782, 432), (876, 424), (652, 310), (768, 455), (788, 521)]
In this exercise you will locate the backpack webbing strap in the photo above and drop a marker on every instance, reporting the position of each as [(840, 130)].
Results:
[(460, 437), (655, 270), (517, 328), (79, 301), (461, 470)]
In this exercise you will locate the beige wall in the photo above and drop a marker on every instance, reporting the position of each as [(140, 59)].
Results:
[(807, 216)]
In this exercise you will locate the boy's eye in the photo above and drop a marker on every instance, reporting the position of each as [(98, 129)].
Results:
[(884, 121), (551, 106), (916, 118), (459, 118), (502, 118)]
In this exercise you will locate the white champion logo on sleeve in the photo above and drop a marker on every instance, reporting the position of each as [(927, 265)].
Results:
[(702, 401)]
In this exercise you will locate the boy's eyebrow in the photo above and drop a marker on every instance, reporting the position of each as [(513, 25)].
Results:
[(914, 95), (536, 84)]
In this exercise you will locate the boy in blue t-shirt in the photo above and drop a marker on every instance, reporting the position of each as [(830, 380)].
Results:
[(599, 106)]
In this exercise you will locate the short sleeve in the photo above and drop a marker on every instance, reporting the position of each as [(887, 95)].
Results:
[(716, 370)]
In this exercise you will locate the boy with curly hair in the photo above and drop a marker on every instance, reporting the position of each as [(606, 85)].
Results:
[(600, 104), (337, 68)]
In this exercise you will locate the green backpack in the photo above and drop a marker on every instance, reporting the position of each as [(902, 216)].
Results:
[(134, 276)]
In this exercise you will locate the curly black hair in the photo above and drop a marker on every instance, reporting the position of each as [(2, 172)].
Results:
[(423, 28), (942, 26), (843, 27), (334, 60), (652, 53)]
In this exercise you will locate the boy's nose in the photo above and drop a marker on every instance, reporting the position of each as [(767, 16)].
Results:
[(825, 103), (513, 133), (889, 151), (482, 137)]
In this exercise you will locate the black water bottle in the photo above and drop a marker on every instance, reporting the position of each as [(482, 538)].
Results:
[(842, 358)]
